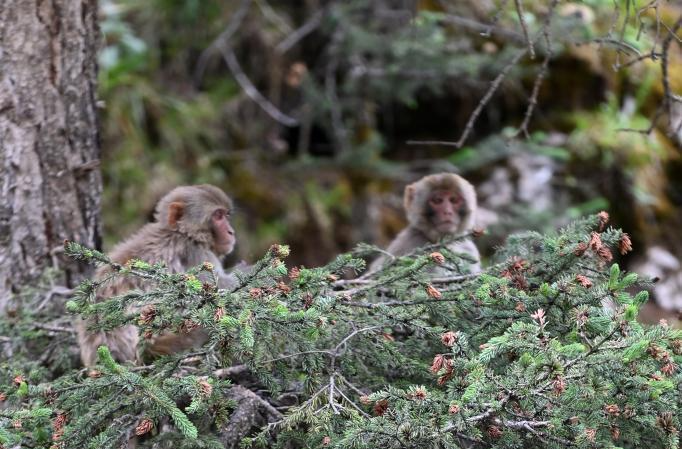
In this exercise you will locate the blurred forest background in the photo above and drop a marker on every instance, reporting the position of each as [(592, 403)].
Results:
[(313, 115)]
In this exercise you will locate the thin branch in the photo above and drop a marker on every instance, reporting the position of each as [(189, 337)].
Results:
[(252, 92), (524, 27), (483, 28), (270, 14), (618, 44), (488, 96), (222, 40), (301, 32), (532, 103), (667, 92), (288, 356), (50, 328)]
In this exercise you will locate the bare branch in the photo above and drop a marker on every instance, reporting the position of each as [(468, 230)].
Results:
[(524, 27), (251, 91), (301, 32), (222, 40)]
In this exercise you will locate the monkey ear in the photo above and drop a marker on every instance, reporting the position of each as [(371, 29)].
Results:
[(409, 196), (175, 211)]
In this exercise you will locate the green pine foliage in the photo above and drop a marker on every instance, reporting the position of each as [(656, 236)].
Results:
[(541, 350)]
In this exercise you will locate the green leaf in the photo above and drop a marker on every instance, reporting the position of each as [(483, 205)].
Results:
[(635, 351), (628, 280), (614, 275)]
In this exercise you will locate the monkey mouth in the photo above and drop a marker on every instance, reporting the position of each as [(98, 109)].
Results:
[(446, 226)]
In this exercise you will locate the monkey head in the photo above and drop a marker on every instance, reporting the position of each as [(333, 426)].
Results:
[(440, 205), (201, 213)]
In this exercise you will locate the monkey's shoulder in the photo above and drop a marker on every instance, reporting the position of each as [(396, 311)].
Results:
[(155, 243), (407, 240)]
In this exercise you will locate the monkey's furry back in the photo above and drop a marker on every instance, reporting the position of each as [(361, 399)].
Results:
[(152, 243)]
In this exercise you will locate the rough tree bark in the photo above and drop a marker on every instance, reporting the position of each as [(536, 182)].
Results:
[(50, 184)]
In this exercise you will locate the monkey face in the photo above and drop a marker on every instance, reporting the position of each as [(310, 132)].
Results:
[(223, 233), (445, 207)]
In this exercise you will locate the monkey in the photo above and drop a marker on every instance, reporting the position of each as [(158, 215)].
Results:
[(437, 206), (191, 226)]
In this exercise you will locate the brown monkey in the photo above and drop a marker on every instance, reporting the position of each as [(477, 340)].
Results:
[(191, 226), (437, 206)]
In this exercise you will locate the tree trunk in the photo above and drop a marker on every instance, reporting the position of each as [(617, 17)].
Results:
[(50, 184)]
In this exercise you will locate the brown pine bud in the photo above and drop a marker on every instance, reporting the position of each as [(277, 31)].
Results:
[(148, 334), (18, 379), (58, 424), (539, 316), (453, 409), (668, 369), (494, 432), (615, 432), (284, 288), (307, 301), (628, 412), (256, 292), (605, 254), (387, 336), (326, 441), (147, 314), (218, 314), (332, 278), (655, 351), (624, 244), (94, 374), (294, 273), (595, 241), (364, 400), (437, 363), (437, 258), (433, 292), (520, 307), (580, 249), (420, 393), (612, 409), (17, 424), (280, 251), (603, 219), (573, 420), (145, 426), (449, 338), (590, 435), (188, 326), (559, 385), (444, 378), (205, 388), (380, 407), (583, 280), (676, 346), (207, 266), (665, 422)]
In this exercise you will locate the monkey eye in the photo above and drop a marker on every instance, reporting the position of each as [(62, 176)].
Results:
[(436, 200), (219, 214)]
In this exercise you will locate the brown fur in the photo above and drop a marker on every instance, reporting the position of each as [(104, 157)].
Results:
[(420, 231), (181, 237)]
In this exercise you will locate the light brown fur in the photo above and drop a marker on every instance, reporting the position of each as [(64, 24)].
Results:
[(180, 242), (421, 231)]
